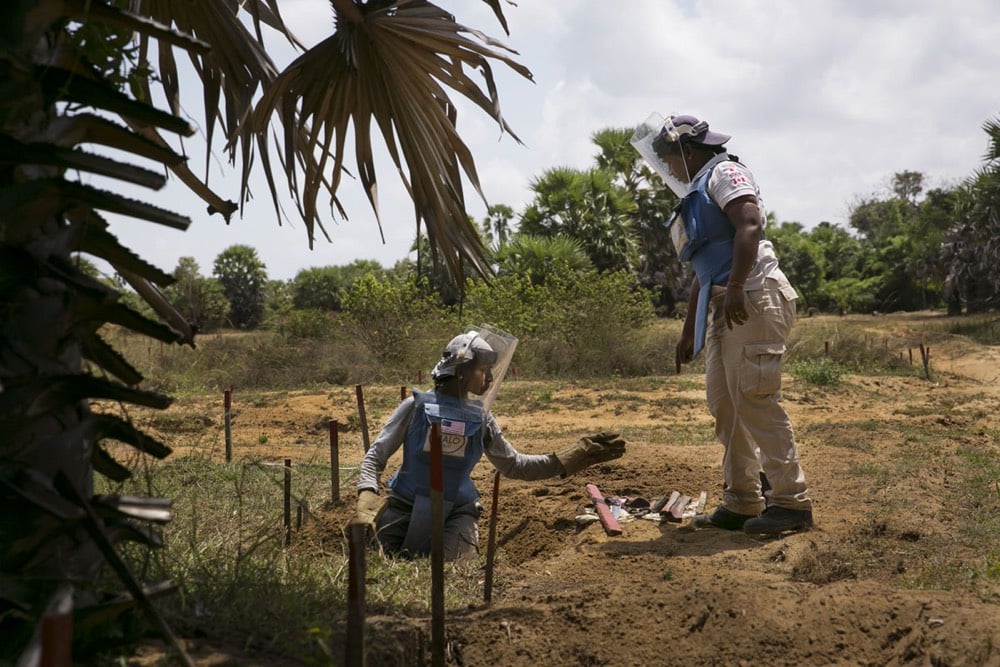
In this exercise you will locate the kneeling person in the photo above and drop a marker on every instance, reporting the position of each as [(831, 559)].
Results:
[(402, 519)]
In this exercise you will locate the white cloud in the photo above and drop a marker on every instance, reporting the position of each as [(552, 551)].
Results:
[(825, 100)]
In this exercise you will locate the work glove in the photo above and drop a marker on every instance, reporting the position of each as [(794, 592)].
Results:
[(590, 450), (370, 508)]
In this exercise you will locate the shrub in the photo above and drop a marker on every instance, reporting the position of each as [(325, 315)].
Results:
[(822, 372)]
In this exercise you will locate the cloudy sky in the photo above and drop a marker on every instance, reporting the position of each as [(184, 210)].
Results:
[(825, 100)]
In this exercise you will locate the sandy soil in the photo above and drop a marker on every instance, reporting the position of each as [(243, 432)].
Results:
[(847, 592)]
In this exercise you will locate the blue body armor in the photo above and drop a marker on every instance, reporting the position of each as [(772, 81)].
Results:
[(461, 426), (709, 247)]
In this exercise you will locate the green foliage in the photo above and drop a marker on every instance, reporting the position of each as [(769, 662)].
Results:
[(321, 287), (822, 372), (538, 257), (317, 288), (198, 299), (307, 323), (972, 248), (578, 322), (244, 278), (395, 319), (659, 268), (586, 206)]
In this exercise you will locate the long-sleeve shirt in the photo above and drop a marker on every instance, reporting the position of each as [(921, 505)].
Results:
[(510, 462)]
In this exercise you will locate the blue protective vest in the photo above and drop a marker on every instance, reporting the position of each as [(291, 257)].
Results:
[(461, 426), (709, 247)]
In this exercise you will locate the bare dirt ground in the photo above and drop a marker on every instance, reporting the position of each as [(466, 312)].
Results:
[(858, 589)]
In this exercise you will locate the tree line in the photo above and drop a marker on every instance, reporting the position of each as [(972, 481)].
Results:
[(910, 248)]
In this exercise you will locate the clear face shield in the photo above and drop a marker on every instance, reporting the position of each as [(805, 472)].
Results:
[(483, 343), (662, 132), (503, 345)]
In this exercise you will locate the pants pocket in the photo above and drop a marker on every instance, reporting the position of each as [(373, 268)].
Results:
[(760, 373)]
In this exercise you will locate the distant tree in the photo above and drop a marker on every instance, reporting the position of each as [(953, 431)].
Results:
[(902, 236), (589, 207), (318, 288), (908, 185), (277, 299), (322, 287), (801, 259), (198, 299), (538, 257), (972, 247), (243, 277), (389, 315), (497, 225), (659, 269)]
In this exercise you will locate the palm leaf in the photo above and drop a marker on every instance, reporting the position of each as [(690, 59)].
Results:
[(390, 65)]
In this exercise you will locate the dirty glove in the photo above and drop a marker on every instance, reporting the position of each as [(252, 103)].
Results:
[(590, 450), (370, 508)]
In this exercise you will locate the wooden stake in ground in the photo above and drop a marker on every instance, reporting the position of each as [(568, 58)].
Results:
[(609, 522), (437, 548), (362, 416), (288, 502), (227, 403), (334, 462), (355, 649), (491, 544)]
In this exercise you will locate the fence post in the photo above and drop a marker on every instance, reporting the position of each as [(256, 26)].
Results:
[(354, 654), (925, 356), (227, 402), (361, 414), (334, 462), (288, 502)]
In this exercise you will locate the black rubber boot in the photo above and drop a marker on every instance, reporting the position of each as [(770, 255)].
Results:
[(776, 520), (722, 518)]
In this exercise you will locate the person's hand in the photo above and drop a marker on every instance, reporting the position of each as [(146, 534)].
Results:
[(735, 306), (370, 508), (684, 351), (590, 450)]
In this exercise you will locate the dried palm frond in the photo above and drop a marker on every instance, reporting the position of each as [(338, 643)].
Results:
[(390, 64)]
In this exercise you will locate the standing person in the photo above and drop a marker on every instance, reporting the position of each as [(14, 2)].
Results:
[(460, 402), (740, 311)]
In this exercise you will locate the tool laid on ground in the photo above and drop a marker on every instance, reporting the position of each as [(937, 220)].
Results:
[(675, 511), (609, 522)]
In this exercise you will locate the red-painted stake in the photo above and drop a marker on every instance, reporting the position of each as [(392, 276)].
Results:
[(437, 548)]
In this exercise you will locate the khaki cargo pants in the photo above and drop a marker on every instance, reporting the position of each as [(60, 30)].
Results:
[(743, 385)]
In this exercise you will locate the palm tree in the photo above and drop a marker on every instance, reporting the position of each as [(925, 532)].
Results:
[(65, 67), (972, 246)]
